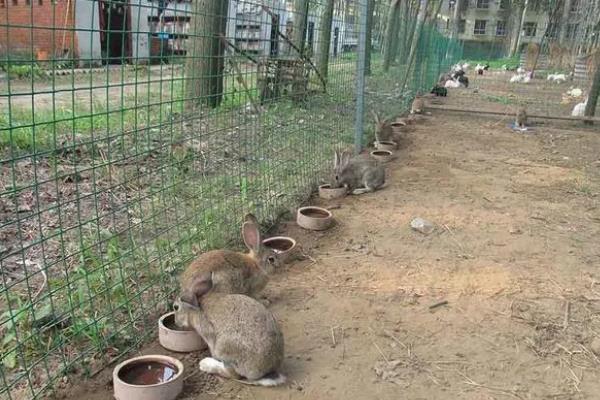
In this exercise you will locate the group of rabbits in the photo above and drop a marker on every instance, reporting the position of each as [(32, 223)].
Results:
[(219, 290), (218, 299)]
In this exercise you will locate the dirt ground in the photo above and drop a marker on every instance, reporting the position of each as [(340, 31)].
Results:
[(514, 254)]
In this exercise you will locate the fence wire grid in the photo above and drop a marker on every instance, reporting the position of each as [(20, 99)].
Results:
[(136, 134)]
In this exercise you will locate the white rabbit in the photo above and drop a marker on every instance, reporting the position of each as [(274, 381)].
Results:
[(516, 78), (579, 109), (451, 83)]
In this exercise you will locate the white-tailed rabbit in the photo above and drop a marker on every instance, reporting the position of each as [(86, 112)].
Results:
[(244, 339), (232, 272), (359, 175)]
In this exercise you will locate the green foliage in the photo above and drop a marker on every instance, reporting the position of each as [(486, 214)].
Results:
[(22, 71)]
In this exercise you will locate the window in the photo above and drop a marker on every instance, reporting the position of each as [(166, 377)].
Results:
[(461, 26), (483, 3), (451, 4), (479, 27), (28, 2), (41, 2), (501, 28), (504, 4), (15, 2), (529, 28), (2, 5)]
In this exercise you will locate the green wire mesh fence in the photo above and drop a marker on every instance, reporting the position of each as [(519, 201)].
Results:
[(136, 134)]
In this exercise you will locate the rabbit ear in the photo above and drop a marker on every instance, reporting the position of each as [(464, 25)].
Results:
[(251, 234), (376, 117), (199, 287), (336, 159), (345, 158)]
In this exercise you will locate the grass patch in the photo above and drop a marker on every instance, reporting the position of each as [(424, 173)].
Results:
[(498, 63), (498, 99)]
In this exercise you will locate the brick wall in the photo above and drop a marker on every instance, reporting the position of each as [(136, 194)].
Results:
[(29, 26)]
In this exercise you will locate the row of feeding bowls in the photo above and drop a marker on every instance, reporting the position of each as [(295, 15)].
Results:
[(159, 377)]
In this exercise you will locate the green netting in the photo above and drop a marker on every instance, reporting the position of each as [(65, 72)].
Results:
[(133, 137)]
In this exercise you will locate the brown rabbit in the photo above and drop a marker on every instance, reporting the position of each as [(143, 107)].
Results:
[(418, 105), (521, 119), (245, 340), (227, 271), (383, 129)]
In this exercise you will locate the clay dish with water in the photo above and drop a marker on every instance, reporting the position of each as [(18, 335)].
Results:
[(152, 377)]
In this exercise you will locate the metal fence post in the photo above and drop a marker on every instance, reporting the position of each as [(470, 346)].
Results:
[(360, 71)]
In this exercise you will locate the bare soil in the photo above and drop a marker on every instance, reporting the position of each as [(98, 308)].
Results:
[(500, 301)]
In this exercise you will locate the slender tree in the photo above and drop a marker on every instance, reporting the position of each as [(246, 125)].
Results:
[(391, 33), (325, 38), (592, 102), (456, 18), (519, 17), (205, 67), (300, 19), (421, 16)]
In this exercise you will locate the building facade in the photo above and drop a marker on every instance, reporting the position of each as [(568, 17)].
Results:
[(488, 27), (98, 32)]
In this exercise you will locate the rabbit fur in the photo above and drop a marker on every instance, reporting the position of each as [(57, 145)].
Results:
[(232, 272), (418, 106), (521, 118), (383, 129), (244, 339), (359, 175)]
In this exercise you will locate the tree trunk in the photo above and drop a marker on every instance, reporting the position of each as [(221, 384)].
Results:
[(404, 18), (421, 14), (300, 18), (516, 39), (390, 34), (369, 43), (205, 65), (325, 39), (411, 29), (592, 102), (565, 22), (456, 19)]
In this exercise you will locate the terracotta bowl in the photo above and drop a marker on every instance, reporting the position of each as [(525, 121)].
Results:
[(284, 246), (327, 192), (383, 145), (382, 155), (314, 218), (153, 377), (173, 338), (398, 127)]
